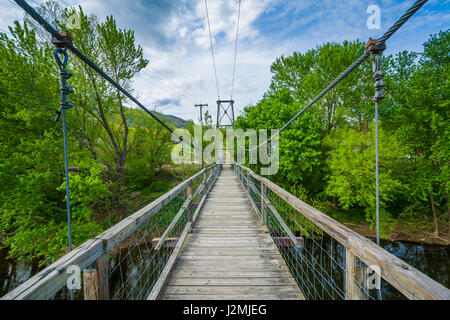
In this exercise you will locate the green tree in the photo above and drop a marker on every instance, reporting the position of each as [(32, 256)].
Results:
[(300, 144), (150, 149), (419, 96), (305, 75), (352, 170), (32, 210), (103, 135), (122, 59)]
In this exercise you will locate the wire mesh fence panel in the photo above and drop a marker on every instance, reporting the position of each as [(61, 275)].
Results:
[(255, 192), (135, 263), (317, 264), (125, 261)]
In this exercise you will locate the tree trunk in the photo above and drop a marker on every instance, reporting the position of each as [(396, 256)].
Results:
[(435, 217), (335, 203), (104, 121), (123, 206), (125, 125), (122, 159), (120, 154)]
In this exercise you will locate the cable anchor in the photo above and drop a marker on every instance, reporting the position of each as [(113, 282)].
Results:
[(62, 58), (61, 52), (376, 50)]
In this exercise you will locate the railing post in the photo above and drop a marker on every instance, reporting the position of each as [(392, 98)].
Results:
[(90, 284), (263, 204), (239, 172), (353, 291), (350, 264), (189, 207), (248, 183), (204, 184), (95, 282)]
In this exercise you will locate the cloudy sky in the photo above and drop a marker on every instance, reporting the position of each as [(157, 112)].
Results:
[(174, 35)]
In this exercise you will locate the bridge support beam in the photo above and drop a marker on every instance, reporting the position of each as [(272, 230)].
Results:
[(354, 278), (95, 282)]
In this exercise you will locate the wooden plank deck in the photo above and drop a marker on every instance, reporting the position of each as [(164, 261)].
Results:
[(229, 254)]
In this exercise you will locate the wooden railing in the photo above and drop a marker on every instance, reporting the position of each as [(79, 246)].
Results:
[(139, 244), (271, 202)]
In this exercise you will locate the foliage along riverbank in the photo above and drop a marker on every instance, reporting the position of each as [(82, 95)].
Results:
[(414, 231), (118, 155)]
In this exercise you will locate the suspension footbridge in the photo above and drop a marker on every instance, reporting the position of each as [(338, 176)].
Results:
[(227, 233), (229, 253)]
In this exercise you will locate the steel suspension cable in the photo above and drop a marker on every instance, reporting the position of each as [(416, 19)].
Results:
[(405, 17), (235, 48), (212, 49)]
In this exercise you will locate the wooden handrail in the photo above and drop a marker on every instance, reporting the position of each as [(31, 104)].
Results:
[(121, 230), (157, 288), (405, 278), (185, 206)]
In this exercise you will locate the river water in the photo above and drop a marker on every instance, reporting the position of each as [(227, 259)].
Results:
[(432, 260)]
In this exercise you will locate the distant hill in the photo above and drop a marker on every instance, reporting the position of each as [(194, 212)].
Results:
[(176, 121)]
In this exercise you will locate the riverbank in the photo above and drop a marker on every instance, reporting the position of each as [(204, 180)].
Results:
[(415, 231)]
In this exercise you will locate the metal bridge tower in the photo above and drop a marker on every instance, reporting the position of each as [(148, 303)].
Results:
[(225, 107), (201, 105)]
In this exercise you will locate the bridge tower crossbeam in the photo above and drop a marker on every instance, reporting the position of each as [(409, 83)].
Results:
[(225, 108)]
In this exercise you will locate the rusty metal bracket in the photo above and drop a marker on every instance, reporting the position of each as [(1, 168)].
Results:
[(65, 41), (372, 47)]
